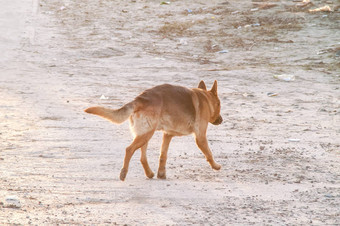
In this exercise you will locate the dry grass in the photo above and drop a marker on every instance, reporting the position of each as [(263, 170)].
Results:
[(288, 23), (275, 22), (175, 28), (210, 47), (216, 10), (276, 40), (266, 5), (238, 42), (295, 8)]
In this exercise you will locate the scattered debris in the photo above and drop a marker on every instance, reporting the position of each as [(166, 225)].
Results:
[(247, 95), (266, 5), (337, 54), (304, 3), (285, 77), (329, 196), (224, 3), (330, 50), (272, 94), (165, 3), (102, 97), (223, 51), (322, 51), (294, 140), (249, 25), (105, 52), (325, 8), (252, 25), (183, 41), (12, 201)]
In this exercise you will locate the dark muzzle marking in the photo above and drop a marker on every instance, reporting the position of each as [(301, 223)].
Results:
[(218, 121)]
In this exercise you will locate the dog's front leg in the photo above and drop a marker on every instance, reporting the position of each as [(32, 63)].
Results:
[(164, 155), (202, 143)]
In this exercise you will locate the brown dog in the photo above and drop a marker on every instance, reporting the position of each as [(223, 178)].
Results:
[(175, 110)]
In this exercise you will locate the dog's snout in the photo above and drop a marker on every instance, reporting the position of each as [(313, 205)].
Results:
[(218, 121)]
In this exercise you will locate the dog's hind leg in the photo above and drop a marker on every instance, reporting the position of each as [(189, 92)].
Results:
[(202, 143), (138, 142), (164, 155), (144, 161)]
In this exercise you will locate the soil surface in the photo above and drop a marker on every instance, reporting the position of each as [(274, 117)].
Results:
[(278, 146)]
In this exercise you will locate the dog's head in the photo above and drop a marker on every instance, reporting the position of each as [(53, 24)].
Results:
[(214, 103)]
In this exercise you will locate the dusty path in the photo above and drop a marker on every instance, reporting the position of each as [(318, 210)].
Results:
[(279, 154)]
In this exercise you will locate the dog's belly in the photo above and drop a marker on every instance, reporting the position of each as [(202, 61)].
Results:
[(176, 126)]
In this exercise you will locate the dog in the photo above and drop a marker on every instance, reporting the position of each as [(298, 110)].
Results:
[(175, 110)]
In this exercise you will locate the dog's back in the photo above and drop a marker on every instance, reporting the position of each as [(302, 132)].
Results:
[(165, 107)]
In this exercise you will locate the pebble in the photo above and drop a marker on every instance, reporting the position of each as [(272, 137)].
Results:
[(294, 140), (12, 201), (272, 94)]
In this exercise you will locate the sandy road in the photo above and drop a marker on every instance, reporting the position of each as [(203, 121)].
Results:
[(59, 57)]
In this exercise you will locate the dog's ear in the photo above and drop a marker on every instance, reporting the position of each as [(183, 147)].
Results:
[(214, 88), (202, 85)]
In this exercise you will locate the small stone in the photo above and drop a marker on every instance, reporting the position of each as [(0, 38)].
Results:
[(12, 202)]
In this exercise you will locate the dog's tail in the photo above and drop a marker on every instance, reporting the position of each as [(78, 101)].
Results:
[(116, 116)]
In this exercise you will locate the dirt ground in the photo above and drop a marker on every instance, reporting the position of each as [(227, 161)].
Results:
[(278, 146)]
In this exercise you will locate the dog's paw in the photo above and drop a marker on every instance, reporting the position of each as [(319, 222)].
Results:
[(123, 173), (216, 166), (161, 175), (150, 175)]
